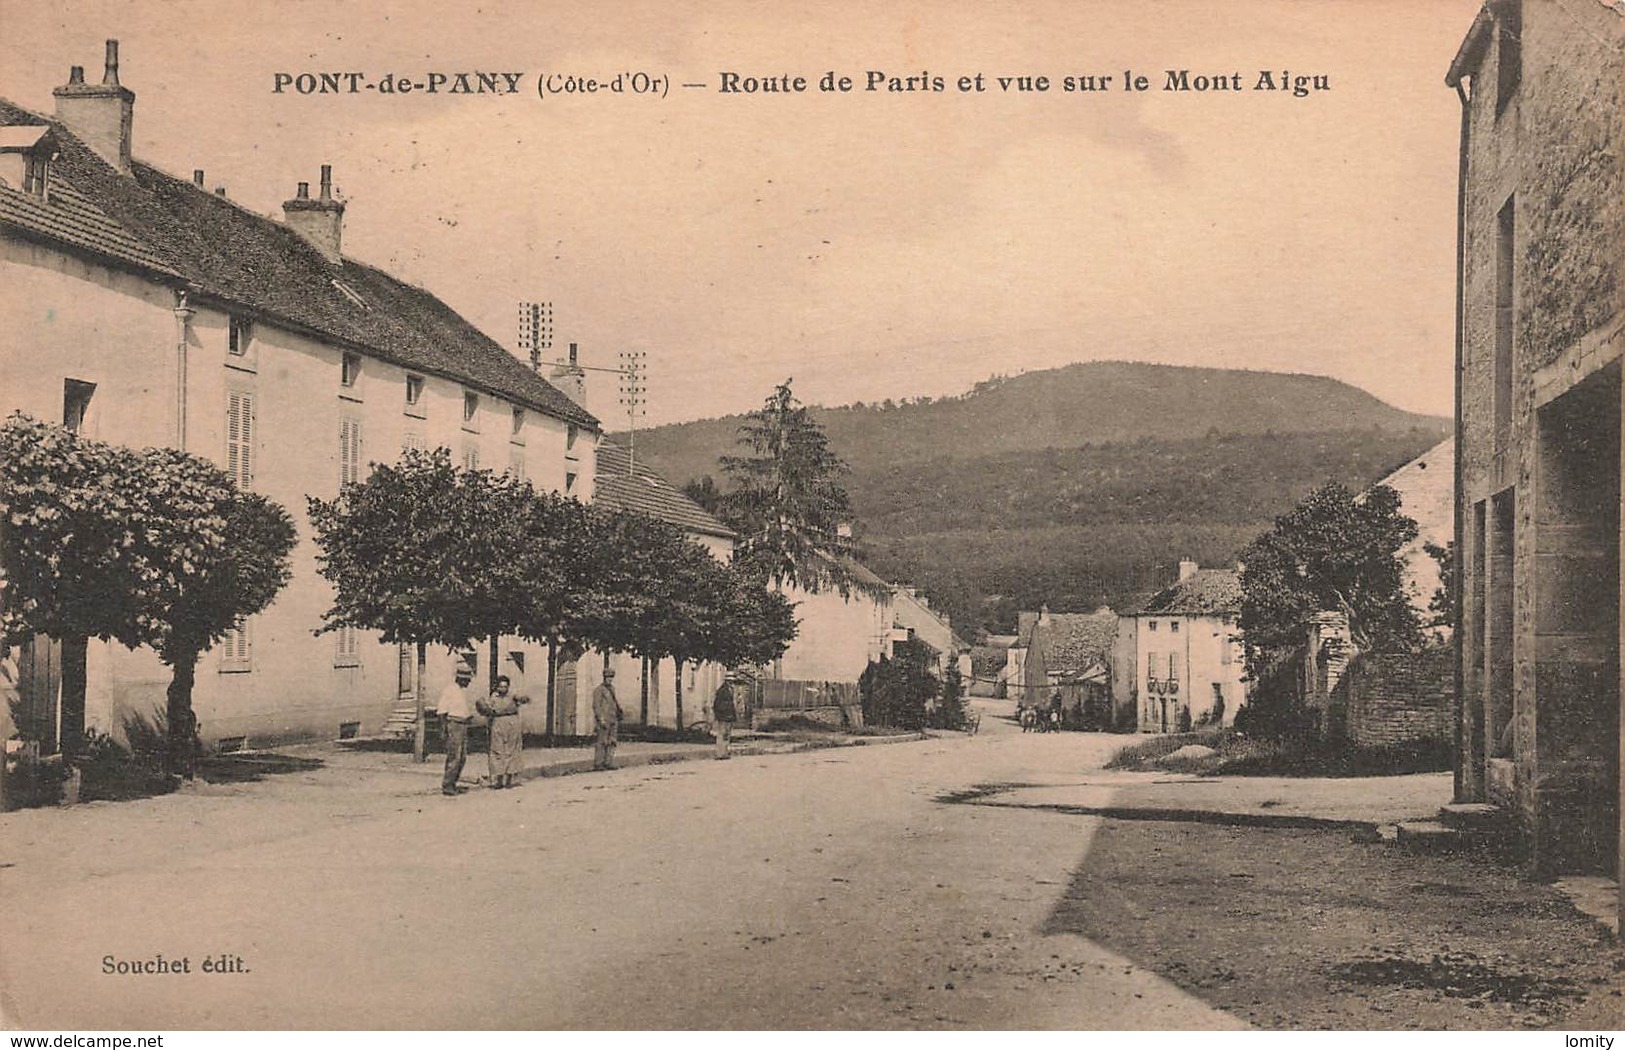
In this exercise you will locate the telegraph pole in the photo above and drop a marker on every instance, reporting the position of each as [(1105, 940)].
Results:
[(535, 331), (634, 395)]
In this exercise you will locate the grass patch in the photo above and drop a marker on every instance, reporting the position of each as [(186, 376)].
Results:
[(801, 724), (1239, 755)]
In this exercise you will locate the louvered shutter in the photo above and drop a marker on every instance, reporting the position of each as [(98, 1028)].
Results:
[(240, 438)]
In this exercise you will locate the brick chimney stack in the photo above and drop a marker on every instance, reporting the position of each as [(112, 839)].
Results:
[(570, 379), (319, 221), (99, 115)]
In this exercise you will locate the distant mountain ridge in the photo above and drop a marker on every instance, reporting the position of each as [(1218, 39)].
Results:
[(1069, 407), (1080, 485)]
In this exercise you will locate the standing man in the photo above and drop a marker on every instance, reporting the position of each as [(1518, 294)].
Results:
[(457, 712), (723, 714), (606, 722)]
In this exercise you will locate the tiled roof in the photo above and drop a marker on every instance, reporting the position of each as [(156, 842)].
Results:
[(1072, 643), (1209, 592), (622, 485), (223, 251), (69, 217)]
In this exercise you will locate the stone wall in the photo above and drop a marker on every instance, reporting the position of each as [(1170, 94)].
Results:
[(1397, 700)]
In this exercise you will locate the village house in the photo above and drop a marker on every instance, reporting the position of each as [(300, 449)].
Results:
[(150, 311), (1069, 654), (1426, 492), (1541, 329), (837, 637), (1179, 654), (913, 617)]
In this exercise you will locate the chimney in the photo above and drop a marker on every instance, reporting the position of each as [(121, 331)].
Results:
[(99, 115), (571, 379), (1043, 615), (320, 221), (1187, 569)]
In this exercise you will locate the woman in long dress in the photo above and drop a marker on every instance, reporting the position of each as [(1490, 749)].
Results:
[(507, 749)]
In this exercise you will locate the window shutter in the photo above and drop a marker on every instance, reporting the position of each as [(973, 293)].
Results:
[(349, 452), (240, 438)]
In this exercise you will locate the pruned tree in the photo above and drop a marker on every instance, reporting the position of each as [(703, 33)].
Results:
[(156, 547), (68, 512), (212, 555), (425, 553)]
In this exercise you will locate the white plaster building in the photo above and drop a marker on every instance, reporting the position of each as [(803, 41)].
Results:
[(145, 310)]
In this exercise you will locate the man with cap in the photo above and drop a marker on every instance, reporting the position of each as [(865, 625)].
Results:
[(723, 715), (606, 722), (457, 711)]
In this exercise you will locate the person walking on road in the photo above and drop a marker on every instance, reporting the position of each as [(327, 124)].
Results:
[(507, 750), (723, 715), (606, 722), (457, 711)]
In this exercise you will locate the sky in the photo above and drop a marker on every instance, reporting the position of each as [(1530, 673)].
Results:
[(869, 244)]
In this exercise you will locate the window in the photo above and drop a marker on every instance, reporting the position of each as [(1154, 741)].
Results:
[(1173, 626), (516, 462), (37, 175), (471, 458), (569, 481), (1151, 672), (75, 403), (350, 370), (347, 648), (414, 390), (349, 451), (518, 420), (471, 408), (412, 441), (236, 648), (240, 438), (238, 333), (1505, 318), (1173, 667), (1508, 54), (1153, 624), (1224, 648)]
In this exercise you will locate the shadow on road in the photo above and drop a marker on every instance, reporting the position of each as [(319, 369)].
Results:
[(1296, 928)]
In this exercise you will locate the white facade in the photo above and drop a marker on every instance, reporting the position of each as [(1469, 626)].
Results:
[(1187, 664)]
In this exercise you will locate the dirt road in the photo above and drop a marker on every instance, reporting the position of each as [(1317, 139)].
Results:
[(826, 889)]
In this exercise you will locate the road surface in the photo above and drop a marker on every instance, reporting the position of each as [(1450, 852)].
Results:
[(829, 889)]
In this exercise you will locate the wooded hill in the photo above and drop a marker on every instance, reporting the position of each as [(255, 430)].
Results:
[(1081, 485)]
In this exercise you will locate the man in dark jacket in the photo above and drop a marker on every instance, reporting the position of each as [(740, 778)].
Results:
[(723, 715)]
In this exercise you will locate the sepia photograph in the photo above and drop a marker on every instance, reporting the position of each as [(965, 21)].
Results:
[(1043, 515)]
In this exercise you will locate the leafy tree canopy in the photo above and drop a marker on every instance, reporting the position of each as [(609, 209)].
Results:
[(1334, 551)]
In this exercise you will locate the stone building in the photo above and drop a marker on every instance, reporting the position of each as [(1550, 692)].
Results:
[(1177, 657), (1541, 277), (146, 310)]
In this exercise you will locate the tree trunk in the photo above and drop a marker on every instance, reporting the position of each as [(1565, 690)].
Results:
[(419, 730), (72, 738), (492, 686), (643, 705), (677, 691), (182, 754), (552, 690)]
